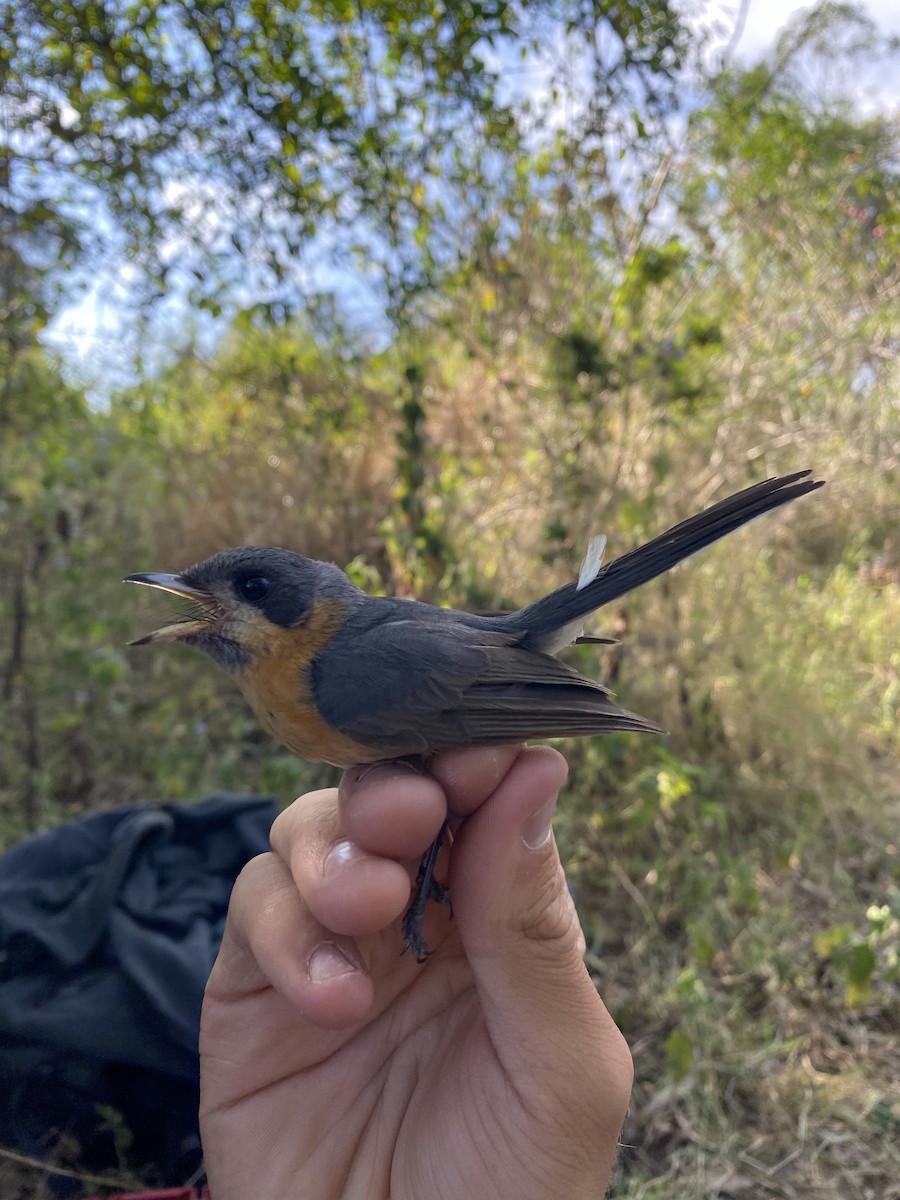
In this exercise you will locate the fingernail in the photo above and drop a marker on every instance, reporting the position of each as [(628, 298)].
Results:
[(328, 961), (539, 826), (382, 770), (340, 854)]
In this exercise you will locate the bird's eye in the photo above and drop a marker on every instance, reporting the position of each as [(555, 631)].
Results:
[(253, 588)]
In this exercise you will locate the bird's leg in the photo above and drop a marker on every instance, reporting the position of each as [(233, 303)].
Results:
[(427, 888)]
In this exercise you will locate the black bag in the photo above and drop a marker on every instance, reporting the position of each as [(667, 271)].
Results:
[(109, 926)]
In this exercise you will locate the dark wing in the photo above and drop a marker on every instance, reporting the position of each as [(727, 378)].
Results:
[(409, 685)]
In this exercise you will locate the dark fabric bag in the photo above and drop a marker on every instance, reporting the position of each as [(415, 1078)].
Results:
[(109, 926)]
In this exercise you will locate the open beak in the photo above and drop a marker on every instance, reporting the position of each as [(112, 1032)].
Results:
[(185, 627)]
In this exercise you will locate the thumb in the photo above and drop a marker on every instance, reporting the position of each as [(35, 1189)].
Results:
[(520, 931), (515, 917)]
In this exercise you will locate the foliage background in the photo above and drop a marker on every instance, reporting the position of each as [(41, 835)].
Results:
[(606, 301)]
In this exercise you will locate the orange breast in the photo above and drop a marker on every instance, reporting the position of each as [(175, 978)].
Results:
[(276, 686)]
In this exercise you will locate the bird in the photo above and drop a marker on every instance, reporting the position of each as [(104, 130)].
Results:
[(339, 676)]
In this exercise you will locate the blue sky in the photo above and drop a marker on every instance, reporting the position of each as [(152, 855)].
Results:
[(99, 346)]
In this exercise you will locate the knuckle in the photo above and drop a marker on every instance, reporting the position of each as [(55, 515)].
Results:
[(311, 818), (550, 915), (254, 871)]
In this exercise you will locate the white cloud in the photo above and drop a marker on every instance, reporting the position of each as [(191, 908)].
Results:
[(766, 19), (751, 30)]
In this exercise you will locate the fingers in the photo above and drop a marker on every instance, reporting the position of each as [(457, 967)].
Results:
[(352, 861), (319, 919), (391, 809), (521, 934), (469, 776), (351, 855), (507, 881), (340, 872), (272, 940), (347, 889)]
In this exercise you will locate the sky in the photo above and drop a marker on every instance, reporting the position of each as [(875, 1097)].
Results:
[(766, 19), (89, 332)]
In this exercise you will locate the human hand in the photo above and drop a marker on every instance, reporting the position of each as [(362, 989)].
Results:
[(335, 1068)]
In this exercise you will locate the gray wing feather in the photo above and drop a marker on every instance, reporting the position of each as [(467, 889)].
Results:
[(412, 682)]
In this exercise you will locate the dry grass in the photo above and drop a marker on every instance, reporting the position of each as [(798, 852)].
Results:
[(705, 866), (754, 1076)]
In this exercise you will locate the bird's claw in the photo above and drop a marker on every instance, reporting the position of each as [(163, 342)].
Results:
[(427, 888)]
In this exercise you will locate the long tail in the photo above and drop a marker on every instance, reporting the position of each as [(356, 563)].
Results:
[(567, 604)]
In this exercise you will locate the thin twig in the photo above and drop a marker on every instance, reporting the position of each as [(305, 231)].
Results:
[(39, 1164)]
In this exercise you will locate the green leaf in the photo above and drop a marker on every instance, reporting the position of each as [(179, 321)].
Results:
[(860, 965), (833, 939), (679, 1051), (305, 109)]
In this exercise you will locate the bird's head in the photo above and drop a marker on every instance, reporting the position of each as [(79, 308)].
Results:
[(243, 600)]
